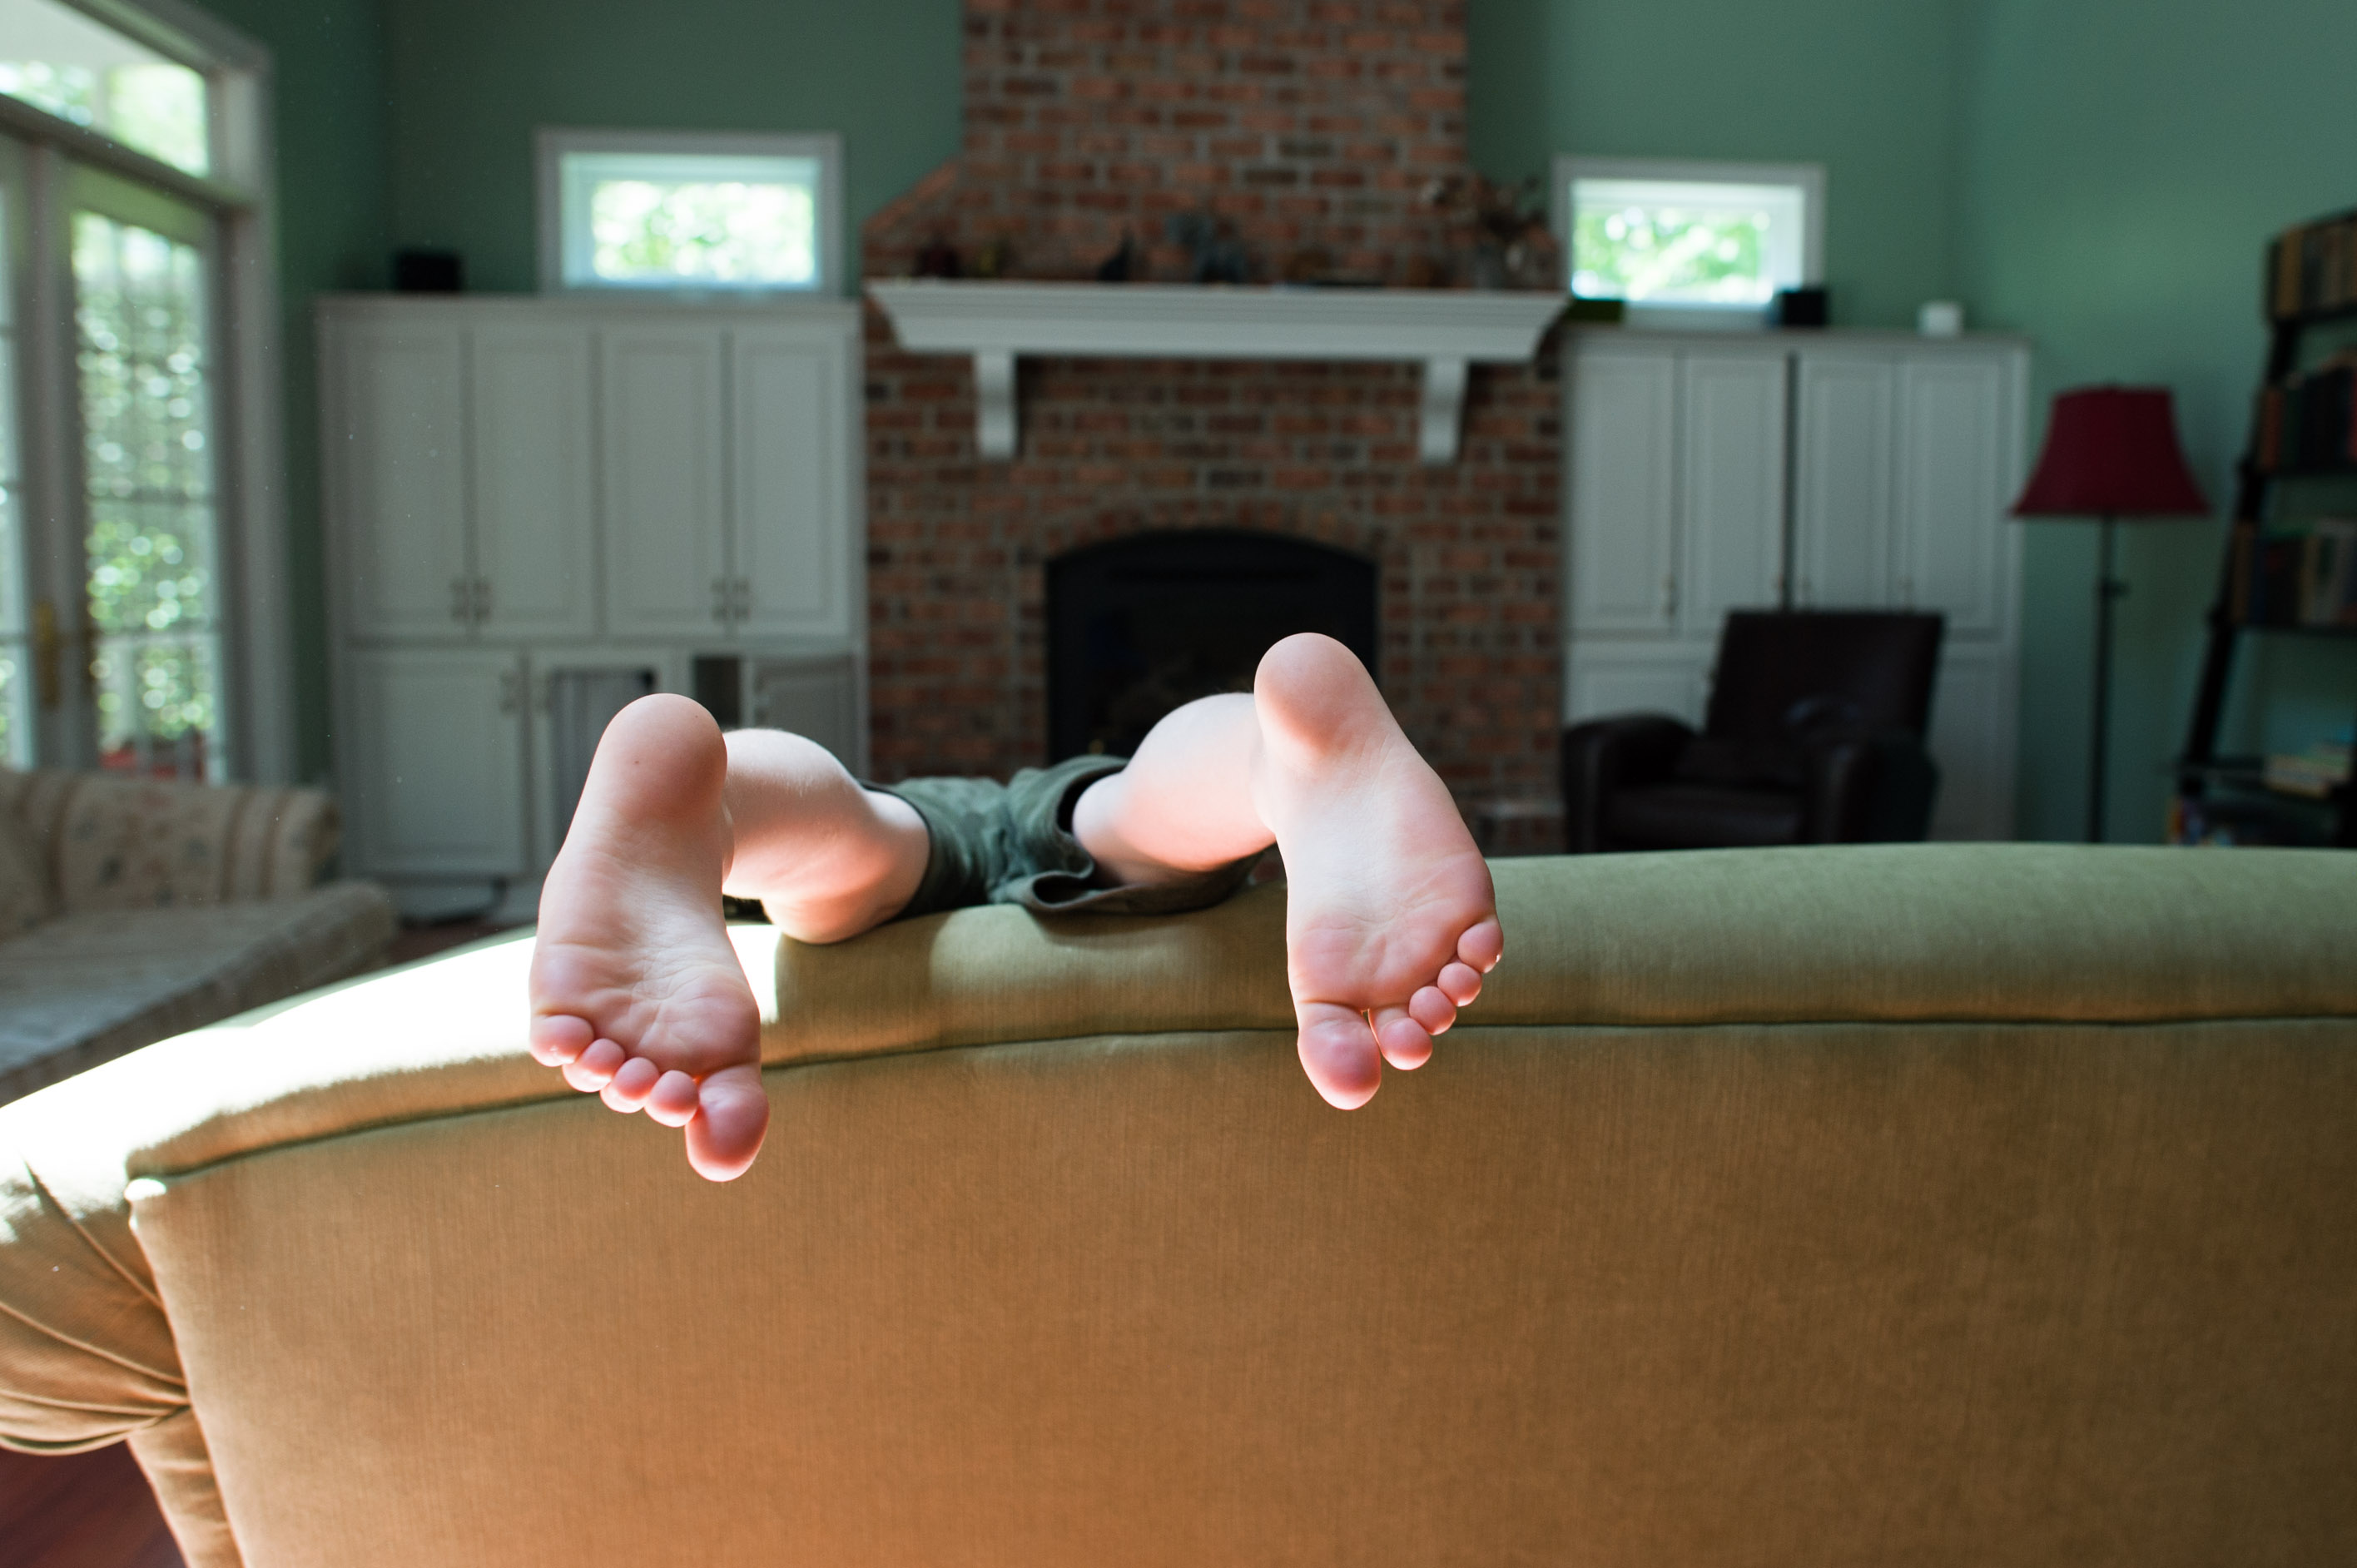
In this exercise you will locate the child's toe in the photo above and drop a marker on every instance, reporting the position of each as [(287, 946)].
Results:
[(1482, 945), (1406, 1044), (673, 1100), (1431, 1007), (1460, 982), (595, 1067)]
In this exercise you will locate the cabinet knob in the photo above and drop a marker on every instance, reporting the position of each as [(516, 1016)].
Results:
[(1669, 597), (462, 601), (482, 598)]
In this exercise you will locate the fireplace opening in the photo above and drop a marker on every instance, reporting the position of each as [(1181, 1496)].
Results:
[(1140, 625)]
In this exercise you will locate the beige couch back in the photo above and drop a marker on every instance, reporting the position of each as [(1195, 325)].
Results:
[(1832, 1206)]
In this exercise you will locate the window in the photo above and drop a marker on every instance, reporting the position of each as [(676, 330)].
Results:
[(665, 210), (142, 604), (1700, 237), (84, 71)]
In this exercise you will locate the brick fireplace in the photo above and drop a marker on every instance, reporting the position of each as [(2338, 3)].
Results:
[(1306, 126)]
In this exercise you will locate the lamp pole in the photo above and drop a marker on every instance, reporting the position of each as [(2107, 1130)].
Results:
[(2108, 588)]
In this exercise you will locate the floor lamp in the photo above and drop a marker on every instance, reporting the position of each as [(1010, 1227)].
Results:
[(2111, 453)]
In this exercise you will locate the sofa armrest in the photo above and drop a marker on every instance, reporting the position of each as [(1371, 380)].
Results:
[(114, 841), (1605, 755), (1871, 788)]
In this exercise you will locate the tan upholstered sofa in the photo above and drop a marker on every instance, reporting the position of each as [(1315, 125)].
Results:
[(1849, 1205), (135, 908)]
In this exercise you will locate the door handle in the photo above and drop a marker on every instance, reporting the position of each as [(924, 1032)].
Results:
[(1669, 597), (482, 598), (462, 601)]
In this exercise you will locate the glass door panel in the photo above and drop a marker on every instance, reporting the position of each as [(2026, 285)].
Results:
[(15, 650), (152, 592)]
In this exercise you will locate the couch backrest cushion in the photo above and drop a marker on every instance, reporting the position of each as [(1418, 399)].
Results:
[(26, 897), (1835, 1207), (123, 843)]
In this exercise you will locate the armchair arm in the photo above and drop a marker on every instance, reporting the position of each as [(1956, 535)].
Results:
[(1875, 787), (1605, 755)]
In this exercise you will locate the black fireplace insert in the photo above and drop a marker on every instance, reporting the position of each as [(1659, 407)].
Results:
[(1139, 626)]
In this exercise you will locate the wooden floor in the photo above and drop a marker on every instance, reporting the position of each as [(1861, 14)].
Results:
[(86, 1510)]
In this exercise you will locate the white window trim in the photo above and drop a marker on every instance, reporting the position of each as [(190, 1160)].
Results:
[(552, 143), (257, 729), (1810, 178)]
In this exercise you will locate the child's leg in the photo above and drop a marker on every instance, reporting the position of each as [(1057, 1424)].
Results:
[(1390, 919), (636, 992)]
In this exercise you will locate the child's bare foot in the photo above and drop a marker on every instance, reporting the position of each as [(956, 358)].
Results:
[(636, 992), (1390, 919)]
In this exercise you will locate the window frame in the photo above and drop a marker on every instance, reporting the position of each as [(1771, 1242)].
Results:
[(1809, 178), (255, 682), (550, 143)]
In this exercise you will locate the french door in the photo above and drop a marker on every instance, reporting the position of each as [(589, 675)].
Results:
[(110, 581)]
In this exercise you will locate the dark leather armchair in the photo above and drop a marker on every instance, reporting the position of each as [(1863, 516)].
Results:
[(1814, 736)]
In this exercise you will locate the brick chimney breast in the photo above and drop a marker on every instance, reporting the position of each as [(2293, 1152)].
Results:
[(1301, 126)]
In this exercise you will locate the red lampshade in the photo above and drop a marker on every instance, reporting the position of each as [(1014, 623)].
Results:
[(2112, 452)]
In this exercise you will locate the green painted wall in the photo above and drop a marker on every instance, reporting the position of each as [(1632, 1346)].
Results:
[(2097, 174), (333, 230), (1867, 88), (2124, 162), (473, 80)]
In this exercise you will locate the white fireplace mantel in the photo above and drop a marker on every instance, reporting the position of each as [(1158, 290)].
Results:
[(998, 323)]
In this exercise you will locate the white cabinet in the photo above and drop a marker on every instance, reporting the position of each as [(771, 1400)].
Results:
[(667, 528), (1732, 500), (1842, 516), (563, 493), (791, 441), (1624, 566), (434, 762), (395, 439), (535, 497), (1958, 435), (1818, 470)]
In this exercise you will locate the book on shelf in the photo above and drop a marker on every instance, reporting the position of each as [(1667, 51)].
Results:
[(2313, 774), (2309, 420), (2313, 266), (2303, 577)]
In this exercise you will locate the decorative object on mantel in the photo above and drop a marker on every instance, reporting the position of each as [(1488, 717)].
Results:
[(1124, 264), (938, 259), (2110, 453), (1443, 330), (1513, 245), (1214, 254), (1809, 307)]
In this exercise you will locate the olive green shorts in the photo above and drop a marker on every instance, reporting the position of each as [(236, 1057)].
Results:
[(1013, 843)]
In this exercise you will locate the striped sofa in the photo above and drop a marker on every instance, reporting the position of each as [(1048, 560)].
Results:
[(134, 909)]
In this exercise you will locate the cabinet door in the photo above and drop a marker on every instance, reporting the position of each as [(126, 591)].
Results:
[(666, 553), (534, 505), (792, 431), (1603, 679), (1623, 494), (396, 441), (434, 771), (1731, 487), (1973, 741), (1954, 482), (1843, 502)]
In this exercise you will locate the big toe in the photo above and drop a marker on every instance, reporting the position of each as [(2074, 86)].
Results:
[(1338, 1052), (732, 1114)]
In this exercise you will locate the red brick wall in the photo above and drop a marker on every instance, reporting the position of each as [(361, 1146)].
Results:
[(1305, 124)]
